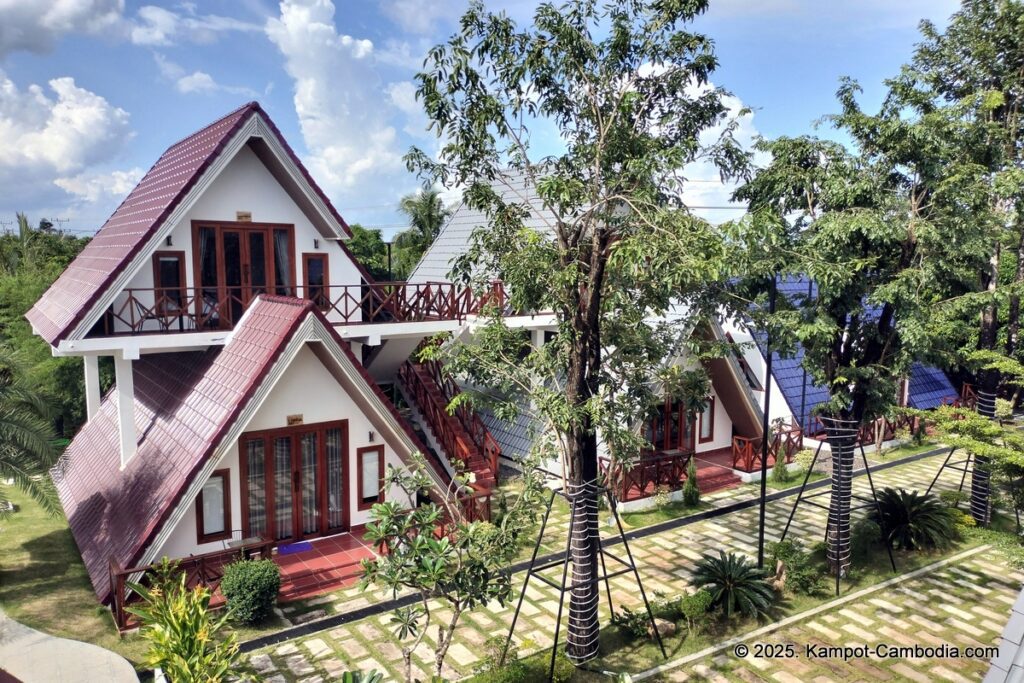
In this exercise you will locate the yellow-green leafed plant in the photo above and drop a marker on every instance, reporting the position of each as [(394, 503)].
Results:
[(185, 640)]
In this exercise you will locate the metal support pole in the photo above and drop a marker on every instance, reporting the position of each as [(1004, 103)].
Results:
[(810, 468), (561, 594), (526, 579), (636, 573), (766, 428), (874, 496), (939, 473)]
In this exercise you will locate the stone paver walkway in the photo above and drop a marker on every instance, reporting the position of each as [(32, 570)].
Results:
[(665, 560), (34, 657)]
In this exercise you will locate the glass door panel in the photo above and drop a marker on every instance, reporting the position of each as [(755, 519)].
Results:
[(256, 487), (233, 266), (284, 499), (308, 479), (335, 497), (257, 264), (208, 301)]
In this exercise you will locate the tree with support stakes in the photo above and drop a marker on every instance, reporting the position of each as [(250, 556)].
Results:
[(592, 230), (880, 230)]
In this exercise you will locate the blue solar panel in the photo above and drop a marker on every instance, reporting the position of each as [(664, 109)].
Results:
[(928, 386)]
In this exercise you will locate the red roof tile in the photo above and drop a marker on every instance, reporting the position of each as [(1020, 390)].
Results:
[(138, 218), (185, 403)]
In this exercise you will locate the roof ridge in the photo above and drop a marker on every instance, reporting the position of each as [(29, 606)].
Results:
[(252, 104)]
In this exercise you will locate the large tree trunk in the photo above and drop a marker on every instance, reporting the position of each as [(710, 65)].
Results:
[(981, 503), (1013, 305), (842, 437), (584, 628)]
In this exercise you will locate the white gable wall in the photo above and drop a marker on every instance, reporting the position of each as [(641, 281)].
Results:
[(305, 388), (245, 184)]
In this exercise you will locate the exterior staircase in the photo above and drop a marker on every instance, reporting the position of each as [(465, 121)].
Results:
[(462, 436)]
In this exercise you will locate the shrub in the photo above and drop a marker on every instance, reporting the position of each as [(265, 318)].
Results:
[(802, 574), (185, 641), (953, 498), (963, 518), (694, 608), (250, 587), (804, 458), (691, 492), (864, 536), (371, 676), (780, 473), (914, 521), (735, 583), (633, 623), (533, 668), (661, 496), (1004, 410)]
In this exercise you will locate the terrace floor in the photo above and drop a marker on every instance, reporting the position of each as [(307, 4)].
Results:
[(327, 564)]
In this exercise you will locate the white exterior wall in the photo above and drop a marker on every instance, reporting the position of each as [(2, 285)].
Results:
[(306, 388), (722, 433), (245, 184), (779, 408)]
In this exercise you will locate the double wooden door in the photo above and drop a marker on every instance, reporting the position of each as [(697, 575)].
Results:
[(294, 481)]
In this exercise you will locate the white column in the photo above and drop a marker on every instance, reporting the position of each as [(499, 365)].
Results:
[(357, 350), (92, 385), (537, 338), (125, 408)]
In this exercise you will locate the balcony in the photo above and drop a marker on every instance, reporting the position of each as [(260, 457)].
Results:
[(204, 309)]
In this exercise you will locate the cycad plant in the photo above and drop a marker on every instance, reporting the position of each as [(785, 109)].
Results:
[(735, 584), (915, 521), (27, 450)]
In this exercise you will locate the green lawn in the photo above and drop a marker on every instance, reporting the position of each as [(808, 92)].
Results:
[(43, 583)]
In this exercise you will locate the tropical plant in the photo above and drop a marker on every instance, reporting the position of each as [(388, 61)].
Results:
[(735, 583), (27, 449), (803, 575), (185, 640), (251, 587), (371, 676), (915, 521), (691, 491), (370, 250), (865, 537), (426, 213), (437, 554)]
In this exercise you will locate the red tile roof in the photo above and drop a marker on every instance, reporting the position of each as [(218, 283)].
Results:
[(139, 217), (185, 403)]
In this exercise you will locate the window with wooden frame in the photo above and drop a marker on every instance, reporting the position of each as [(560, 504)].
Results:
[(707, 421), (315, 280), (370, 470), (669, 427), (213, 508), (169, 282)]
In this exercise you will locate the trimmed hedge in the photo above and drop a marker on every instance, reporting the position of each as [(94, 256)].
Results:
[(251, 587)]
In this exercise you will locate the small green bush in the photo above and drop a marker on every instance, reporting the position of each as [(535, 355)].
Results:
[(533, 668), (803, 575), (662, 497), (953, 498), (371, 676), (633, 623), (865, 536), (780, 473), (694, 608), (250, 587), (804, 458), (691, 492)]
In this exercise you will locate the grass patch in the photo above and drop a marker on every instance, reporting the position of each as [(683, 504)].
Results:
[(796, 478), (901, 451), (665, 513), (44, 585)]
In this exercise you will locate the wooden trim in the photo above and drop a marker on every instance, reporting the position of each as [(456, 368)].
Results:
[(324, 304), (225, 475), (710, 410), (364, 502)]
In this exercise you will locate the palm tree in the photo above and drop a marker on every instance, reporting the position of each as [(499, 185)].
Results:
[(426, 213), (27, 450)]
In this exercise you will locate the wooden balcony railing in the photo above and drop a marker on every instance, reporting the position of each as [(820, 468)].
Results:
[(200, 570), (968, 396), (190, 309), (471, 422), (643, 478), (746, 451)]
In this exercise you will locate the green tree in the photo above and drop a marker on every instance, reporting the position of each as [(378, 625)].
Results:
[(885, 231), (426, 213), (26, 438), (434, 551), (369, 249), (625, 87)]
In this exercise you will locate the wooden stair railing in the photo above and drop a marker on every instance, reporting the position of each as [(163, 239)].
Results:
[(746, 451), (455, 441)]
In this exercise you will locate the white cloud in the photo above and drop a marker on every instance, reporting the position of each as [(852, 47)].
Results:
[(36, 25), (403, 96), (197, 81), (52, 137), (342, 106), (93, 186), (157, 26), (415, 16)]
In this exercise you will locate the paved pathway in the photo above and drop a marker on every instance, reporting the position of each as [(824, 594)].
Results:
[(664, 560), (34, 657)]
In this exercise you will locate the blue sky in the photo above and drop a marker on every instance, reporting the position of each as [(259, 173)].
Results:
[(92, 91)]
